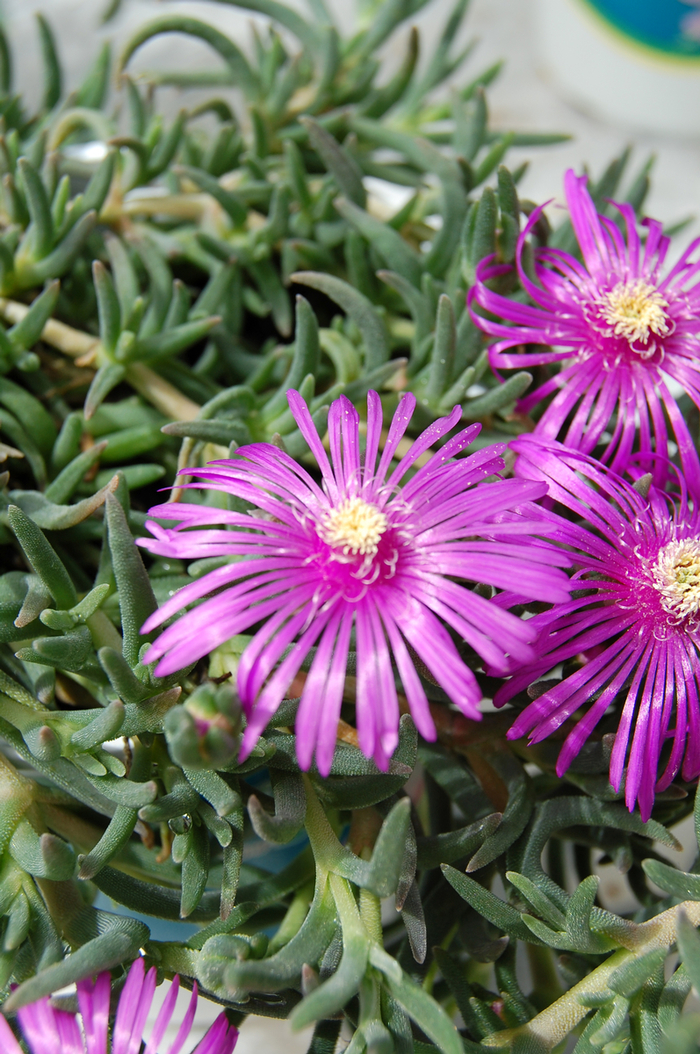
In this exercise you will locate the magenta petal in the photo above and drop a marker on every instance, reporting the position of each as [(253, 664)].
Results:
[(220, 1039), (608, 372), (164, 1016), (128, 1009), (624, 633), (374, 431), (186, 1025), (308, 566), (415, 693), (8, 1043), (40, 1027), (307, 428), (93, 1001), (329, 712), (273, 692), (314, 697)]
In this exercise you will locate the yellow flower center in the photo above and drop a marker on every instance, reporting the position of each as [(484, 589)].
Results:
[(355, 526), (634, 310), (677, 577)]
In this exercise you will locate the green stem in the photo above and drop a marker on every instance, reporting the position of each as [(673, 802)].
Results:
[(326, 847), (554, 1024), (291, 923), (371, 915), (159, 392)]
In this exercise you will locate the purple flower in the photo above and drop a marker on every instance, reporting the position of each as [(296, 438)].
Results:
[(634, 621), (358, 556), (619, 329), (49, 1031)]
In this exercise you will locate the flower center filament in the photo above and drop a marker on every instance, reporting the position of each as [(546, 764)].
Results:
[(677, 577), (634, 310), (355, 527)]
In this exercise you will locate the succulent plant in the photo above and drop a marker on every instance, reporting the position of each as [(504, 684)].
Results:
[(157, 304)]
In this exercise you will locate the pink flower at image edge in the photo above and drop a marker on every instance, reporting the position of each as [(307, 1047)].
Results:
[(618, 329), (49, 1031), (635, 615)]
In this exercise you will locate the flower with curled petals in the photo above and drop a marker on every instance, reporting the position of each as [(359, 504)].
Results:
[(633, 623), (618, 328), (358, 555), (48, 1030)]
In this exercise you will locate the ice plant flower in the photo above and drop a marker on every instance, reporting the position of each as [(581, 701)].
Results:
[(633, 619), (359, 553), (51, 1031), (619, 329)]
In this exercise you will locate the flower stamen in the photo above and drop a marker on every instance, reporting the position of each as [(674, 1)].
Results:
[(634, 310), (355, 527), (677, 577)]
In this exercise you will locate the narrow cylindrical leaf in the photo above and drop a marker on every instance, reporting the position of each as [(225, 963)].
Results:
[(136, 599), (397, 253), (290, 809), (148, 898), (43, 558), (498, 397), (44, 856), (30, 411), (62, 487), (243, 74), (69, 652), (116, 836), (39, 209), (180, 800), (215, 790), (195, 871), (358, 307), (627, 979), (338, 161), (297, 175), (493, 157), (106, 378), (443, 352), (107, 307), (67, 445), (121, 942), (480, 232), (36, 600), (229, 202), (104, 727), (26, 333), (93, 91), (57, 262), (173, 341), (124, 275), (52, 66), (121, 677)]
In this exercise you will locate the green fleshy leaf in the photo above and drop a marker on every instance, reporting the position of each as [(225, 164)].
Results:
[(52, 66), (43, 558), (358, 307), (243, 74), (136, 599)]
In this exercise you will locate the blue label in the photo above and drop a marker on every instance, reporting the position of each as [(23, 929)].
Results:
[(669, 26)]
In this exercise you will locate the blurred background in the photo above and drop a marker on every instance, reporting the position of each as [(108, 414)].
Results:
[(566, 69)]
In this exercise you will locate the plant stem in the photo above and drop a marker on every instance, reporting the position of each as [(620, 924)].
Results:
[(159, 392), (554, 1024)]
